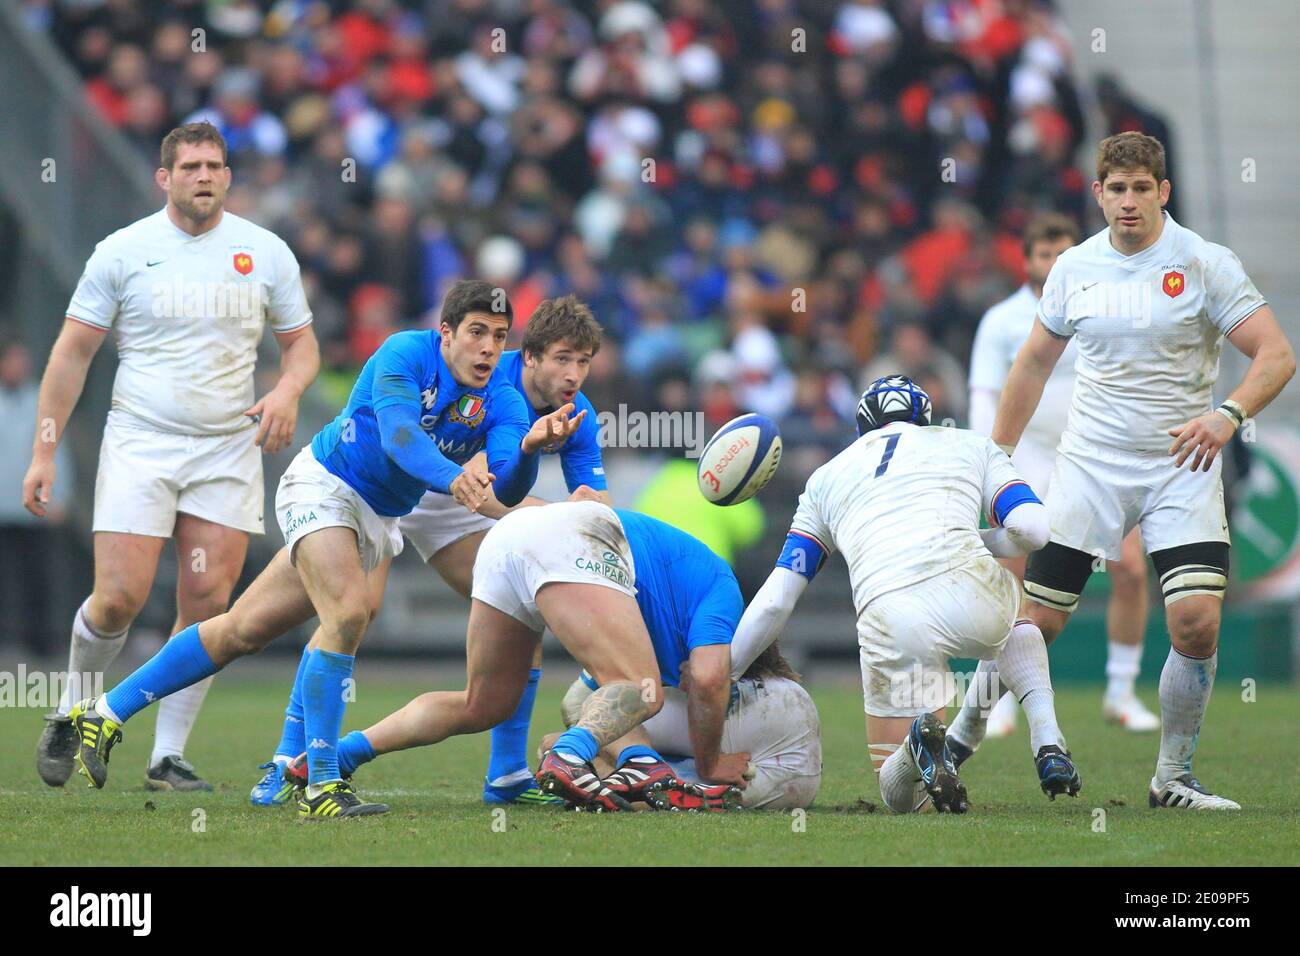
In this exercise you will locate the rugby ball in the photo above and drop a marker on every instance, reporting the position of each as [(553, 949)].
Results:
[(739, 460)]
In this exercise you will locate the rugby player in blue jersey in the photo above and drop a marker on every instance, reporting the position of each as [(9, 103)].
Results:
[(338, 505), (559, 342), (533, 571)]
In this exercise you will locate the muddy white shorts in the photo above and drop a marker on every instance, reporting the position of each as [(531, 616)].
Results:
[(1099, 494), (576, 541), (311, 498), (906, 637), (439, 520), (146, 476)]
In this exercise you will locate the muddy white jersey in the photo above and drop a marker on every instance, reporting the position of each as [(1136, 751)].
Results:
[(1001, 333), (187, 313), (903, 504), (1149, 329)]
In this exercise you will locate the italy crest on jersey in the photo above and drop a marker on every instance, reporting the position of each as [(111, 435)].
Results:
[(469, 411), (1173, 284)]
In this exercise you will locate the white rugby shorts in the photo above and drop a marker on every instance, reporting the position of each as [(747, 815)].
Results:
[(1098, 495), (906, 637), (575, 541), (146, 476), (311, 498), (439, 520)]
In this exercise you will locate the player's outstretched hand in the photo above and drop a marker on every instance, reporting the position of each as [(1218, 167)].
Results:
[(277, 416), (471, 486), (734, 769), (551, 431), (37, 485), (1205, 436)]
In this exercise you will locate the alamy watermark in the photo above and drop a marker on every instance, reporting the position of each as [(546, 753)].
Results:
[(24, 688), (637, 429)]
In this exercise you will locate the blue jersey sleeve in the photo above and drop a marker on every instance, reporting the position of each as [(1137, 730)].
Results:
[(396, 404), (580, 457), (516, 472), (717, 615)]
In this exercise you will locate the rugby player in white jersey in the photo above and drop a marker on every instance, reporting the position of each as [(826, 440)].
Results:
[(1150, 303), (1001, 332), (903, 504), (187, 293)]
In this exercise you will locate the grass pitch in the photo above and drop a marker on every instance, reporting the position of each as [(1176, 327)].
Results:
[(438, 819)]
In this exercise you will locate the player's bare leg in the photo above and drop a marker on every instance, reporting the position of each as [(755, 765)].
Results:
[(455, 562), (274, 604), (209, 558), (1185, 686), (125, 565), (1126, 624), (603, 629), (508, 780), (329, 564), (498, 649)]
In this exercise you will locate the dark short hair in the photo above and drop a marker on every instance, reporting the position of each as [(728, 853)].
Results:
[(191, 134), (564, 319), (1050, 228), (1130, 150), (475, 295)]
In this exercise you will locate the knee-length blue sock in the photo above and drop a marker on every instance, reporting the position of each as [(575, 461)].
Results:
[(293, 740), (182, 661), (323, 697), (509, 751)]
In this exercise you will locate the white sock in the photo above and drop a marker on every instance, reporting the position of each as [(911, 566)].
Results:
[(981, 695), (1185, 685), (900, 782), (1123, 661), (91, 653), (1023, 668), (176, 715), (510, 779)]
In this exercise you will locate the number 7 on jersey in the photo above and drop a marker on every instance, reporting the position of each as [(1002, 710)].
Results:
[(890, 444)]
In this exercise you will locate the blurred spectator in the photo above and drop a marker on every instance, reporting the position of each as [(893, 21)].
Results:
[(673, 165), (28, 581), (913, 353)]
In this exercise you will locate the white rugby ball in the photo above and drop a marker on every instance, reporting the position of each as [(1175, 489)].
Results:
[(739, 460)]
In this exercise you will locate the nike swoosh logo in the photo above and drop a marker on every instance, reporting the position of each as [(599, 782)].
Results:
[(150, 265), (1085, 288)]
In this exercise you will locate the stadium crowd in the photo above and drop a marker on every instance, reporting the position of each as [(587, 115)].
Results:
[(768, 200)]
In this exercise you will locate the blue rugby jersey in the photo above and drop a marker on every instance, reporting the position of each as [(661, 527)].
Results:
[(580, 455), (409, 425), (688, 595)]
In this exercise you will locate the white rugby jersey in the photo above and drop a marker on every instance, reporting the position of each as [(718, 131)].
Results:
[(903, 504), (1001, 333), (1149, 329), (187, 313)]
